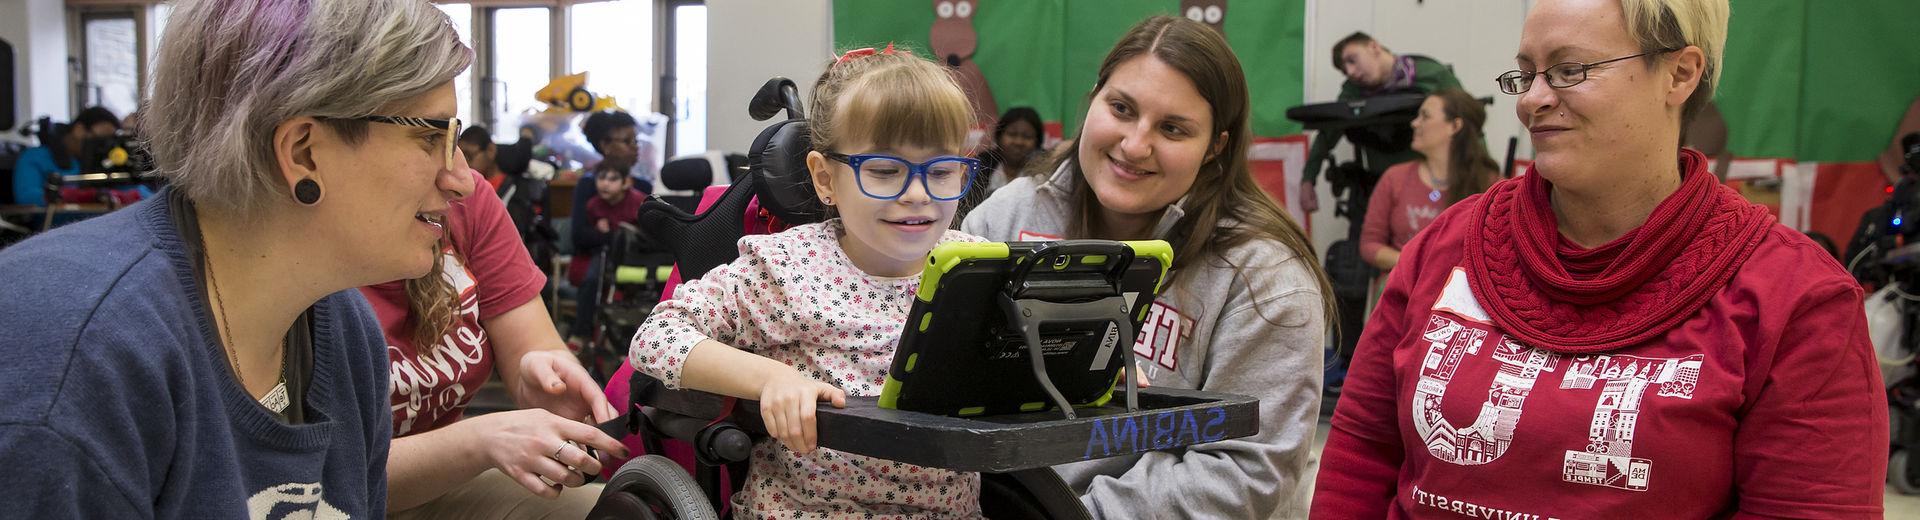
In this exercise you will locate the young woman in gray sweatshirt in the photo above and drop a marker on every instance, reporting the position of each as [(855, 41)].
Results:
[(1162, 155)]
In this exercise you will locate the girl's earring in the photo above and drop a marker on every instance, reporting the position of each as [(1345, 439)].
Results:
[(826, 200)]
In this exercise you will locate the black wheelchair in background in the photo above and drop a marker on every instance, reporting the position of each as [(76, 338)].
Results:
[(635, 273), (1013, 452)]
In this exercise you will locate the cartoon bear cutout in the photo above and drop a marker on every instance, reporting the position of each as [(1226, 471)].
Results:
[(954, 42), (1210, 12)]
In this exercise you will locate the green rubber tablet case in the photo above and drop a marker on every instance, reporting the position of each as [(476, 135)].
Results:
[(969, 343)]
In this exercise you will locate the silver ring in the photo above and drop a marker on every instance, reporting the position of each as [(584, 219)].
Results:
[(556, 451)]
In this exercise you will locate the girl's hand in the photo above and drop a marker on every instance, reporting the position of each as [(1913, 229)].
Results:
[(787, 404)]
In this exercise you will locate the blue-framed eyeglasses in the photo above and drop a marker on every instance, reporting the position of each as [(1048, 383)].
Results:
[(886, 177)]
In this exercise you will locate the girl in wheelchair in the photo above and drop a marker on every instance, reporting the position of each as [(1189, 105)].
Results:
[(813, 313)]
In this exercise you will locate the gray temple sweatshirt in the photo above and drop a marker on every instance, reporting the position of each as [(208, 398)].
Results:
[(1246, 322)]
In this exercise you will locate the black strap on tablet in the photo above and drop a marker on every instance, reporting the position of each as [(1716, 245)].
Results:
[(1030, 303)]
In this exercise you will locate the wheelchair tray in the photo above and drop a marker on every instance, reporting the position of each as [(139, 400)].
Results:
[(1392, 108), (1167, 419)]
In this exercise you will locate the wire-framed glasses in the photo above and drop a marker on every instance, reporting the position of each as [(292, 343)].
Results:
[(1563, 75)]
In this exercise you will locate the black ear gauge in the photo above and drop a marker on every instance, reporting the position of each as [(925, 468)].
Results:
[(307, 191)]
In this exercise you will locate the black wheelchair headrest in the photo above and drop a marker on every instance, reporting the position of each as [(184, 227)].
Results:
[(687, 173), (776, 176), (778, 161)]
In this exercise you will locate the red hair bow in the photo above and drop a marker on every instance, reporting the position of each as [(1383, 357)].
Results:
[(861, 53)]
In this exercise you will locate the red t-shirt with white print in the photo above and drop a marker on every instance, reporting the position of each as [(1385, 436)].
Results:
[(1766, 402), (432, 384)]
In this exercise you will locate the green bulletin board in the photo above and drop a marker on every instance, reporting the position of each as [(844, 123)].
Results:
[(1046, 53), (1804, 79), (1818, 81)]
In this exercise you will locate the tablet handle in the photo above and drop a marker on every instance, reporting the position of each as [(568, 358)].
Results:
[(1118, 257)]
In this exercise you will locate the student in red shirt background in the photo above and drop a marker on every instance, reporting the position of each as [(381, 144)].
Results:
[(615, 202), (479, 312), (1614, 334), (1453, 165), (476, 142)]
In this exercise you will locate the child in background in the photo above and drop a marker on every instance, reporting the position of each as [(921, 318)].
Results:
[(615, 202), (814, 313)]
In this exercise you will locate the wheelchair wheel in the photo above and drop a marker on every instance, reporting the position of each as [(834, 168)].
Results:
[(1037, 494), (622, 506), (1903, 473), (652, 487)]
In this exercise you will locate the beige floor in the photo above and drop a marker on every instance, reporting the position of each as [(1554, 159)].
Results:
[(1898, 506)]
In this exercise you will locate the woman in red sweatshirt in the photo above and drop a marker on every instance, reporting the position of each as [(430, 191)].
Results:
[(1614, 334)]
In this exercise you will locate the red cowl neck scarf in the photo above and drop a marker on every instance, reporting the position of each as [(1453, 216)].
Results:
[(1555, 296)]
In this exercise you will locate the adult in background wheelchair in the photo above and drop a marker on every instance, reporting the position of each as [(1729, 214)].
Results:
[(1876, 259), (1893, 330), (1014, 453)]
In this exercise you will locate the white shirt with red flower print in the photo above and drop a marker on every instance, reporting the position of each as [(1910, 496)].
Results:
[(796, 298)]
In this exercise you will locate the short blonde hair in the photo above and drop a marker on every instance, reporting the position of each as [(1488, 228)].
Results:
[(889, 99), (1675, 24), (229, 72)]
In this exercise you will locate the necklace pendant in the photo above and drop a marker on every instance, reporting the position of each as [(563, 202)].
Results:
[(277, 400)]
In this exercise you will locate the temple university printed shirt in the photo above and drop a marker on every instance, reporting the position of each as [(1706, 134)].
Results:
[(1762, 402)]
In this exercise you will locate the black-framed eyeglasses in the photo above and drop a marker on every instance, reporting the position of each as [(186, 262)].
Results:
[(1563, 75), (452, 126), (886, 177)]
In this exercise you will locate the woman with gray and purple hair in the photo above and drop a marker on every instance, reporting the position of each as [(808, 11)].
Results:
[(203, 354)]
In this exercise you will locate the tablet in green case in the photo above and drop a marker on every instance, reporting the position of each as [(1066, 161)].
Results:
[(960, 356)]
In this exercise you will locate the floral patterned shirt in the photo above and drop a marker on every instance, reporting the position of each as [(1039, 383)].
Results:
[(796, 298)]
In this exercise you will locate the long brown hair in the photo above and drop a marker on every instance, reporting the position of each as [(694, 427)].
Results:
[(1225, 187), (1469, 169), (432, 303)]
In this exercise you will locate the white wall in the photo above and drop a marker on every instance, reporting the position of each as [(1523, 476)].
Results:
[(47, 60), (749, 41), (1477, 37), (13, 29), (38, 31)]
